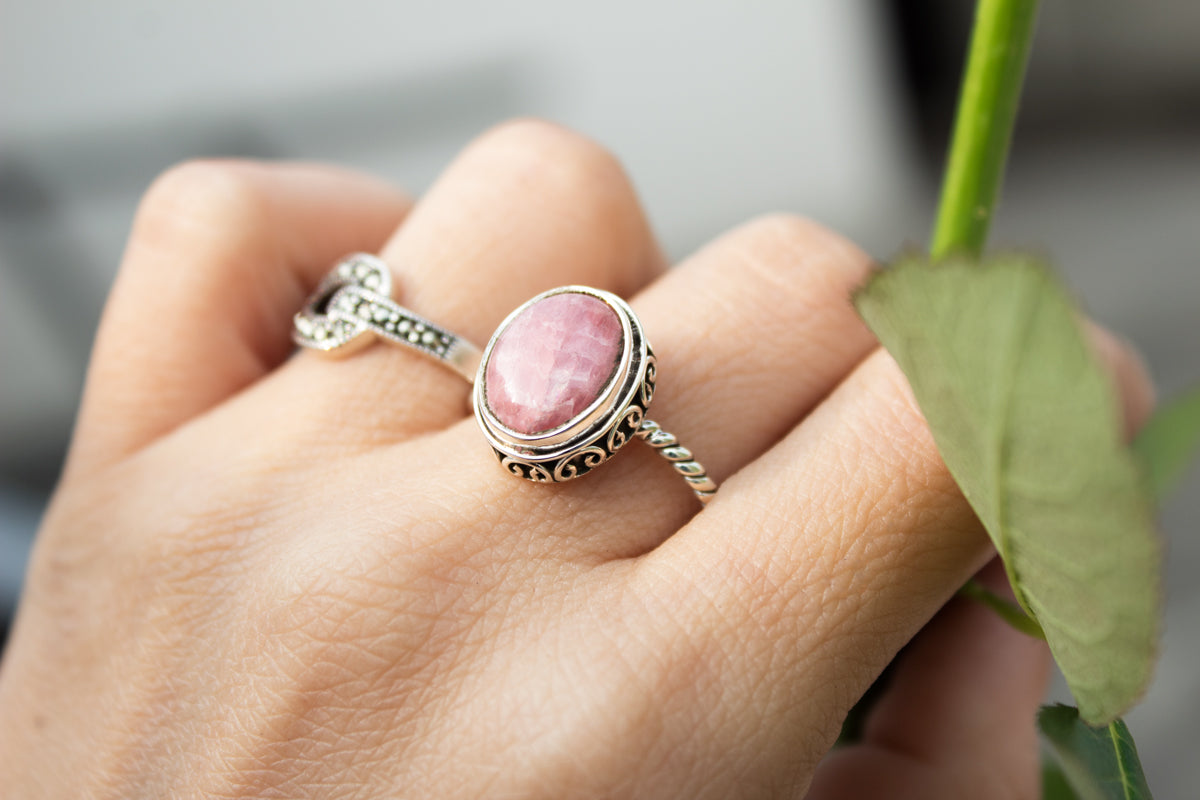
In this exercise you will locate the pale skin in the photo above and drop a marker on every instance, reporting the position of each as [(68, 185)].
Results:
[(274, 576)]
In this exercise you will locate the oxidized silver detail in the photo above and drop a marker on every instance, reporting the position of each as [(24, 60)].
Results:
[(352, 307)]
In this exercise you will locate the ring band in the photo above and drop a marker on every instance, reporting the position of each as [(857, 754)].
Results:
[(352, 307), (565, 382), (681, 459)]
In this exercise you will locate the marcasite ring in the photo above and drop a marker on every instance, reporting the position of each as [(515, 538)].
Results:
[(565, 382), (352, 307)]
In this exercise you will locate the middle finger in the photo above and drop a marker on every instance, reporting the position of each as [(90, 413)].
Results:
[(527, 207)]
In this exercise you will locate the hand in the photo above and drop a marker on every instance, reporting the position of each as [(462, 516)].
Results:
[(266, 576)]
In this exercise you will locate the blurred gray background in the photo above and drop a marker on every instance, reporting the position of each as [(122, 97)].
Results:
[(837, 109)]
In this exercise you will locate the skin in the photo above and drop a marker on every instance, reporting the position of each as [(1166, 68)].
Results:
[(267, 575)]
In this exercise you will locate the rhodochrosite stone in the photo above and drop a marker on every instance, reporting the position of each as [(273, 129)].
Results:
[(552, 362)]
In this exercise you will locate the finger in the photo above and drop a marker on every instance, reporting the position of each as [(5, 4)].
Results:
[(957, 719), (750, 333), (527, 207), (220, 256), (1130, 377), (834, 549)]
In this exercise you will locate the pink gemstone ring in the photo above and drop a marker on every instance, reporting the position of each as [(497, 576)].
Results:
[(565, 382)]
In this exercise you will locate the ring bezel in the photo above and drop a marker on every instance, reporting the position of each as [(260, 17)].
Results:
[(591, 437)]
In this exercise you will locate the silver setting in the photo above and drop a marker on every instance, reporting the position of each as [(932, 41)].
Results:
[(352, 307), (594, 435)]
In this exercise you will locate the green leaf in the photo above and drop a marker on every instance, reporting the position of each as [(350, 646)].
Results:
[(1169, 442), (1026, 421), (1097, 763), (1055, 785)]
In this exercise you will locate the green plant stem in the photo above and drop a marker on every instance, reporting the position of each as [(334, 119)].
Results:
[(1008, 611), (987, 109)]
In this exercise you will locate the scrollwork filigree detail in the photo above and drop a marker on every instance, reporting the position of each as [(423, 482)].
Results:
[(580, 463), (526, 470), (647, 388), (625, 429)]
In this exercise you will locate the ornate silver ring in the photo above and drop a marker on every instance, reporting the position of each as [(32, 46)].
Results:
[(565, 382), (353, 306)]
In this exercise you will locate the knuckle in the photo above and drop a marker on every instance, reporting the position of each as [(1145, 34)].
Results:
[(201, 200), (361, 606), (326, 619), (783, 226), (554, 156), (780, 241)]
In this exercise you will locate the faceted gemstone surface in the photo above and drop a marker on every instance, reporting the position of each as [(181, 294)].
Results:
[(552, 362)]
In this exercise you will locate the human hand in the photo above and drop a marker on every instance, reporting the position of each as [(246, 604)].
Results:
[(274, 577)]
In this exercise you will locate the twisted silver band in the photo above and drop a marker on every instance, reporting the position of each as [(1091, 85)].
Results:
[(352, 307), (680, 457)]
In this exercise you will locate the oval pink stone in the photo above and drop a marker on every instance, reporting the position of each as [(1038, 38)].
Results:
[(552, 362)]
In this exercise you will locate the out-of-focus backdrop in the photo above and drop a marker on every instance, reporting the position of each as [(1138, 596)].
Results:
[(723, 109)]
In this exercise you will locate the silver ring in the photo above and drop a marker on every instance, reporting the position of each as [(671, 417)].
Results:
[(565, 382), (353, 306)]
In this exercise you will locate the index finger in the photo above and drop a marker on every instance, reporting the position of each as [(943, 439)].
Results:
[(826, 555)]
